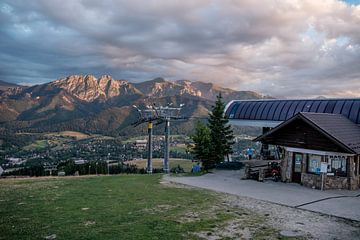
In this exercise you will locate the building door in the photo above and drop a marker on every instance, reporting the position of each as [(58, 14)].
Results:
[(297, 167)]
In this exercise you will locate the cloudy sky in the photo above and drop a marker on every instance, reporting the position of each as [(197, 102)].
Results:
[(284, 48)]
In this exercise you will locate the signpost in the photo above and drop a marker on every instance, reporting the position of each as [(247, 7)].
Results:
[(323, 171)]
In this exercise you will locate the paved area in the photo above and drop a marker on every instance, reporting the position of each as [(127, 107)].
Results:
[(341, 203)]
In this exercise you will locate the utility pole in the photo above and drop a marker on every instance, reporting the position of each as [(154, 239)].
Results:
[(167, 145), (158, 115), (149, 160)]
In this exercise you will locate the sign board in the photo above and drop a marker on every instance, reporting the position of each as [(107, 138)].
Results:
[(323, 167)]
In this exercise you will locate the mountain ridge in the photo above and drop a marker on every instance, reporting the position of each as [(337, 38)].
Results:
[(102, 105)]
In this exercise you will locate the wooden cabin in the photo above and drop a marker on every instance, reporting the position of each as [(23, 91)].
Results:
[(311, 140)]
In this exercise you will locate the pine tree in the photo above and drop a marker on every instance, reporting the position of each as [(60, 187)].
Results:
[(202, 141), (221, 134)]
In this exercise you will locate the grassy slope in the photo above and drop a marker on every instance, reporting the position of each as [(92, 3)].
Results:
[(119, 207)]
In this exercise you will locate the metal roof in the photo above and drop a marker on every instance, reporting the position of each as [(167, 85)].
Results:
[(336, 127), (271, 112)]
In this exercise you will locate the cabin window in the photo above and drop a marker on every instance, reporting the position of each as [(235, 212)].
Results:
[(337, 165), (314, 163)]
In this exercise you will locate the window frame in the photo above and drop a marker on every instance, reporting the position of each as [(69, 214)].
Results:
[(343, 163), (308, 157)]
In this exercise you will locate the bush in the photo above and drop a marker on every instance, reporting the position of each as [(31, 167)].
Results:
[(157, 170), (177, 169)]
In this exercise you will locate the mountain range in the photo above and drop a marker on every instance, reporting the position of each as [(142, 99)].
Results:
[(103, 105)]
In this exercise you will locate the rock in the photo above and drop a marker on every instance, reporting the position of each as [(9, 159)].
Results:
[(289, 233), (52, 236)]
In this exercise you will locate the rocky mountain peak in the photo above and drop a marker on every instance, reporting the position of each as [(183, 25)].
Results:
[(89, 88), (105, 79), (86, 88), (89, 77), (105, 82), (158, 80)]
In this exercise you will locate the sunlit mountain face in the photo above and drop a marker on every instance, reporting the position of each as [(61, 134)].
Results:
[(278, 48), (103, 104)]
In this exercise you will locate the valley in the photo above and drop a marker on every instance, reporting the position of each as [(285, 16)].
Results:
[(35, 153)]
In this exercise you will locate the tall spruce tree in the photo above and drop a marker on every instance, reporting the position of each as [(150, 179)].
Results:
[(221, 134), (202, 141)]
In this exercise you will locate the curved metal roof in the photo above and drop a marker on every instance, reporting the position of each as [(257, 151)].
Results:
[(271, 112)]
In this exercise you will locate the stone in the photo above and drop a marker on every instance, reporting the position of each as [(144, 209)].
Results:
[(289, 233), (50, 237)]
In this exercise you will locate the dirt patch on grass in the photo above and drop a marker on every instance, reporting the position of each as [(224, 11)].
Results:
[(89, 223), (233, 230), (159, 209), (175, 185)]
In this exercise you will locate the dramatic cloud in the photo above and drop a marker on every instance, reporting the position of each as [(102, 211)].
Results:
[(294, 48)]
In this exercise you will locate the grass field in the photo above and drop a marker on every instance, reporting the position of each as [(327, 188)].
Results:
[(77, 135), (179, 148), (186, 164), (37, 145), (114, 207)]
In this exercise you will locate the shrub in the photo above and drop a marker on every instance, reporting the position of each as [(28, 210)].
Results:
[(230, 165), (177, 169)]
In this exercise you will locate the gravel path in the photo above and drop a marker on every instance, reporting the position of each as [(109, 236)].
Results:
[(289, 194), (311, 225)]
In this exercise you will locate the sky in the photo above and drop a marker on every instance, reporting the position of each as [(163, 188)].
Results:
[(282, 48)]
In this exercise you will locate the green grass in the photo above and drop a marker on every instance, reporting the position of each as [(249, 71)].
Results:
[(37, 145), (179, 148), (109, 207)]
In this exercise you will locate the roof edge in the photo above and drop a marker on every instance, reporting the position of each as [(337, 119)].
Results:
[(309, 121), (328, 134), (291, 99)]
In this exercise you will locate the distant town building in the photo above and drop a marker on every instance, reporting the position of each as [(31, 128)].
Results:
[(15, 161), (80, 161), (140, 144)]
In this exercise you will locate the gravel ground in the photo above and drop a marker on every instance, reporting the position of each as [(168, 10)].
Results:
[(302, 223), (309, 224), (288, 194)]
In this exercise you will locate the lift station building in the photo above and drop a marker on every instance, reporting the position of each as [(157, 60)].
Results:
[(319, 138)]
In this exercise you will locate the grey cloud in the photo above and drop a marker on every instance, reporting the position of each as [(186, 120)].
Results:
[(264, 47)]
